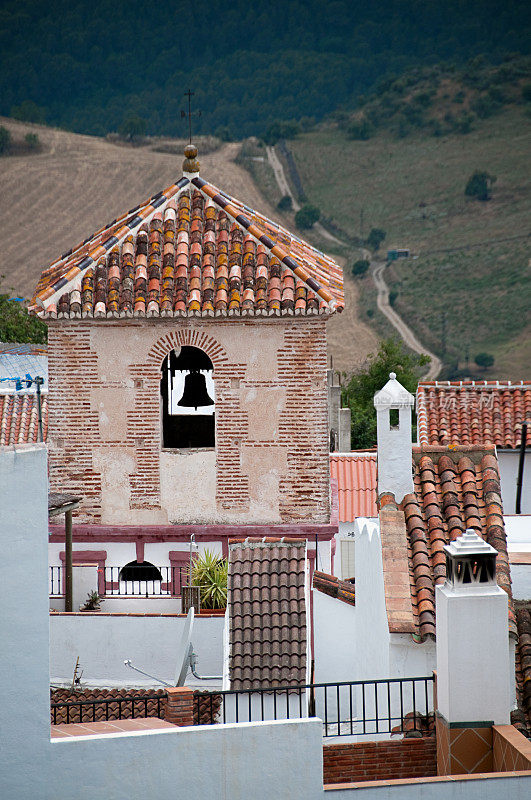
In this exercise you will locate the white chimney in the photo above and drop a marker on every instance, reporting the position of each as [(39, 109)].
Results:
[(393, 406), (473, 663)]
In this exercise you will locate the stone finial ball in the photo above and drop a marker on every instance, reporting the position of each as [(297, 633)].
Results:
[(392, 375), (190, 151)]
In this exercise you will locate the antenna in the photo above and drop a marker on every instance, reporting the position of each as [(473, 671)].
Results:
[(185, 649), (189, 94)]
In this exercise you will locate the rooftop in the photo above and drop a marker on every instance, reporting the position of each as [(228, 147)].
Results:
[(191, 250), (473, 412), (19, 418), (356, 478), (267, 612)]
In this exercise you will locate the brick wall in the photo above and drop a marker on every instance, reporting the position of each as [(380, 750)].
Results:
[(365, 761), (271, 417)]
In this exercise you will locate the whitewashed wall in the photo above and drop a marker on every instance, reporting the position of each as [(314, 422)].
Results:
[(470, 788), (103, 642), (508, 465)]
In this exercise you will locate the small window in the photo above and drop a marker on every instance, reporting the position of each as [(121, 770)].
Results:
[(188, 399), (393, 418), (140, 571), (347, 559)]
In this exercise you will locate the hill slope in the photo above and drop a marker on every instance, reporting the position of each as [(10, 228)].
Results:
[(459, 303), (53, 200)]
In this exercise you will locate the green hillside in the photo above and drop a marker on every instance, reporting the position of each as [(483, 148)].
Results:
[(248, 63), (468, 289)]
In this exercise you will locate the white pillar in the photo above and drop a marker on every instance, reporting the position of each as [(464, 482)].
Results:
[(473, 663), (394, 439)]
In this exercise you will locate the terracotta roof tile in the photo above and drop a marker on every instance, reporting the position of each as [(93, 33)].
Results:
[(267, 612), (19, 418), (356, 477), (522, 718), (453, 490), (191, 250), (334, 587), (473, 412)]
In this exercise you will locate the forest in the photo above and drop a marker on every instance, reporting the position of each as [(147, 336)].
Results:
[(90, 67)]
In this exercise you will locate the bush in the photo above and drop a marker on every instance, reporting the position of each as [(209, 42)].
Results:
[(16, 325), (360, 267), (28, 111), (307, 216), (209, 572), (484, 360), (281, 130), (133, 128), (361, 129), (526, 92), (284, 204), (375, 238), (479, 185), (393, 297), (32, 141), (5, 139)]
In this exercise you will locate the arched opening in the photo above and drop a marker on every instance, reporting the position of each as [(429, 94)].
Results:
[(188, 399), (140, 571)]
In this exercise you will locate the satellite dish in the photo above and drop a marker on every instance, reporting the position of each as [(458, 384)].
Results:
[(185, 648)]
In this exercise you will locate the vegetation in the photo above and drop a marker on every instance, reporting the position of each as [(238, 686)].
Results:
[(360, 267), (133, 128), (285, 203), (472, 269), (9, 146), (16, 325), (307, 216), (5, 139), (375, 238), (251, 65), (362, 385), (484, 360), (479, 186), (209, 572)]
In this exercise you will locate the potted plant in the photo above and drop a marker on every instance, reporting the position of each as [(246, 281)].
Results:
[(209, 572), (92, 603)]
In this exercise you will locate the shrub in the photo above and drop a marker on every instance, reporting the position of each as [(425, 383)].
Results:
[(526, 92), (360, 267), (393, 297), (284, 204), (484, 360), (5, 139), (375, 238), (280, 129), (360, 129), (209, 572), (307, 216), (133, 127), (28, 111), (479, 185), (32, 141)]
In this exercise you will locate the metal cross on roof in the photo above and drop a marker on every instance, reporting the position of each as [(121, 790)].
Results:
[(189, 94)]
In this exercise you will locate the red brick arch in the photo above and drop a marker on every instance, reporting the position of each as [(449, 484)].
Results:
[(191, 338)]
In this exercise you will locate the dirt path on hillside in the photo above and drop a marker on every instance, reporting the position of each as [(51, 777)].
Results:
[(377, 269)]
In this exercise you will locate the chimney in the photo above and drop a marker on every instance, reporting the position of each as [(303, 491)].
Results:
[(473, 660), (393, 406), (338, 418)]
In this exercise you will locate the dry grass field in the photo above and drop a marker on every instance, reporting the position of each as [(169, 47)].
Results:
[(50, 201)]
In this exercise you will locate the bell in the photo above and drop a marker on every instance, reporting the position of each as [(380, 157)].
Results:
[(195, 391)]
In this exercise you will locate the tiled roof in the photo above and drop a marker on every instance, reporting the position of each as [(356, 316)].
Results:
[(332, 586), (191, 250), (454, 490), (19, 418), (523, 667), (473, 412), (267, 612), (356, 478)]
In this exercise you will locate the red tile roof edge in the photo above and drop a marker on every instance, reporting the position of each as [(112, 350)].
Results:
[(268, 540), (334, 587)]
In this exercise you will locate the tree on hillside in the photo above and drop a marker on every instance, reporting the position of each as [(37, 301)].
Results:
[(484, 360), (28, 111), (360, 267), (133, 127), (16, 325), (5, 139), (364, 382), (479, 185), (307, 216), (375, 238)]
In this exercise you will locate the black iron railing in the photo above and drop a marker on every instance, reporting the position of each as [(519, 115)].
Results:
[(108, 709), (349, 708)]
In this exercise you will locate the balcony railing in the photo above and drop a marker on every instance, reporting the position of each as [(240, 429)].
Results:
[(395, 706), (168, 585)]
